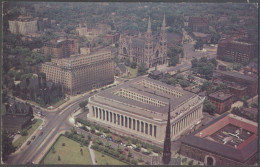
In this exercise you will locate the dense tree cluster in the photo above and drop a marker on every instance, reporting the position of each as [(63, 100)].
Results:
[(173, 53), (39, 90), (178, 79), (209, 107), (204, 67), (7, 147)]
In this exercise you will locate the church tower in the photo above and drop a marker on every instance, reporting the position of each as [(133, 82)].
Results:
[(148, 50), (163, 42), (167, 141)]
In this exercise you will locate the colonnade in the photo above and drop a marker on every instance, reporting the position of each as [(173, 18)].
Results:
[(186, 121), (124, 121)]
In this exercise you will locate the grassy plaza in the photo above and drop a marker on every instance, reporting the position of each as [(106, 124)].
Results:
[(106, 160), (69, 154)]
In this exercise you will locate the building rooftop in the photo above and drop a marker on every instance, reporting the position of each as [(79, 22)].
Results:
[(228, 135), (155, 96), (220, 95), (199, 34), (237, 75)]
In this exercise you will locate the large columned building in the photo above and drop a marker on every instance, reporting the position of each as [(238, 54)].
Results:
[(139, 108)]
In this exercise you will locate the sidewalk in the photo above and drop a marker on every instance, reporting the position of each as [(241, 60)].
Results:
[(92, 154)]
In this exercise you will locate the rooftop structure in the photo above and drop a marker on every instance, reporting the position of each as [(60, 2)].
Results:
[(142, 106), (227, 140)]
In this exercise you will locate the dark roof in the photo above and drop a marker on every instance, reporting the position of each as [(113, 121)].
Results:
[(10, 121), (240, 155), (220, 95), (237, 75), (198, 20)]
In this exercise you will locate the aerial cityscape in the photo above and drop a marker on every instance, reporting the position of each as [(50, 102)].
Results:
[(119, 83)]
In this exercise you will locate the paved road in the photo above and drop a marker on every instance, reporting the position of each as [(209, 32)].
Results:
[(55, 123)]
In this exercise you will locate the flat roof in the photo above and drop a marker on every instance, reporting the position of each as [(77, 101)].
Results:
[(237, 75), (110, 97), (215, 136), (220, 95)]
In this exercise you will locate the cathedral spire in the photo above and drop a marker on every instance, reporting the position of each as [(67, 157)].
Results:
[(149, 29), (167, 141), (164, 24)]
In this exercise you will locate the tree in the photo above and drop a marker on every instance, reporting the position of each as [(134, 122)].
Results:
[(59, 158), (53, 150), (133, 64), (209, 107), (81, 151), (83, 104), (198, 45), (141, 69), (7, 147), (129, 154), (89, 136)]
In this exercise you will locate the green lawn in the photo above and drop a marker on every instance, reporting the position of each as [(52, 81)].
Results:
[(60, 102), (107, 160), (133, 72), (19, 142), (69, 154)]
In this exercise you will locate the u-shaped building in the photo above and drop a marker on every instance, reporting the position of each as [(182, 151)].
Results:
[(139, 108)]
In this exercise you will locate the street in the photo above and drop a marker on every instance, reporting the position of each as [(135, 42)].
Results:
[(55, 122)]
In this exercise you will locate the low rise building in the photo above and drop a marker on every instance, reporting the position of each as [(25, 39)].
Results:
[(238, 82), (223, 101), (227, 140), (140, 107), (198, 24)]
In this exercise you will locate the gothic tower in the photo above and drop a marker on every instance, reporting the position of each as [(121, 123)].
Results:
[(163, 42), (167, 141), (148, 50)]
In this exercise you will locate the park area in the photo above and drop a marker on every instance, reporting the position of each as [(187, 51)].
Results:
[(67, 153), (133, 72), (103, 159)]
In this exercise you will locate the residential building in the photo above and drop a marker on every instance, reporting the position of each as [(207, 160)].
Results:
[(23, 25), (239, 51), (238, 82), (61, 48), (198, 24), (222, 101)]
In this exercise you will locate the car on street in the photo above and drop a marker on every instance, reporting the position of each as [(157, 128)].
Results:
[(41, 133), (33, 137), (29, 142)]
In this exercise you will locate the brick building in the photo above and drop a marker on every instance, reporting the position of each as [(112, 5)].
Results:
[(81, 72), (140, 108), (61, 48), (222, 101), (198, 24), (240, 52), (227, 140), (238, 84), (112, 37)]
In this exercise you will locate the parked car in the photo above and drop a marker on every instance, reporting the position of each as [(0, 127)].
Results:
[(33, 137), (109, 139), (41, 133), (28, 142)]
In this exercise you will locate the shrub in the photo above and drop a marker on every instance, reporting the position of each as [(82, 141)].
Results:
[(63, 144)]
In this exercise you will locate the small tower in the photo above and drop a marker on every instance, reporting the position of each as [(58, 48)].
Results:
[(163, 42), (167, 141), (148, 50)]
